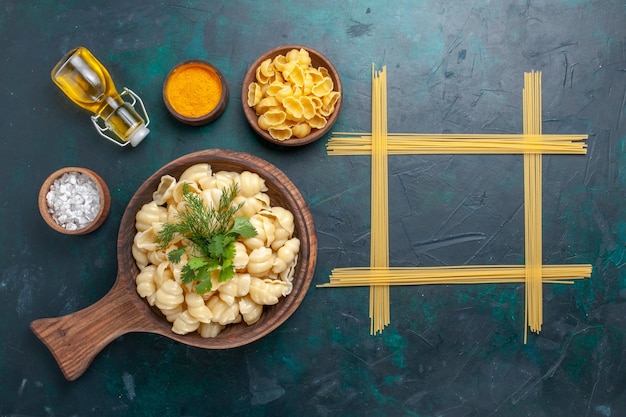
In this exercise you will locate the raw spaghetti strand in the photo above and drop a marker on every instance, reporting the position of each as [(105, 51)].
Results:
[(532, 206), (379, 246), (465, 274), (346, 143)]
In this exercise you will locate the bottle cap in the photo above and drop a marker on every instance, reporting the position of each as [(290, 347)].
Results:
[(138, 135)]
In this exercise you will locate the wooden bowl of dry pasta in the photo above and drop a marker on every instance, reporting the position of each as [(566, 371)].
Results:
[(75, 339), (291, 95)]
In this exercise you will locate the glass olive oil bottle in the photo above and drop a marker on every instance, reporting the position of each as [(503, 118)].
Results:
[(89, 85)]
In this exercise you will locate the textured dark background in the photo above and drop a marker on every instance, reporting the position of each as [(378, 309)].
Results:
[(453, 66)]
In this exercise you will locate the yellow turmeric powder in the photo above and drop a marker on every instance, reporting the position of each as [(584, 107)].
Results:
[(193, 90)]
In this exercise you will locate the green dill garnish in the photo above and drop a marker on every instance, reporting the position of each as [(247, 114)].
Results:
[(213, 234)]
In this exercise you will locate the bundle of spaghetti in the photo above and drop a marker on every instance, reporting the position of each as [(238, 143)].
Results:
[(466, 274), (531, 97), (347, 143), (379, 246)]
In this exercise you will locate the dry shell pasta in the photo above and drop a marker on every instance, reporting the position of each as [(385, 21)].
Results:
[(264, 264), (290, 97)]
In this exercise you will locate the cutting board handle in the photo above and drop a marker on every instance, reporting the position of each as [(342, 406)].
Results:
[(77, 338)]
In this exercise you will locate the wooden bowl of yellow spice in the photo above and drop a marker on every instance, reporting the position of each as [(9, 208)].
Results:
[(195, 92)]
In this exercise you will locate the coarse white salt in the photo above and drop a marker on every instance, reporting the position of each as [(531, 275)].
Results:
[(73, 200)]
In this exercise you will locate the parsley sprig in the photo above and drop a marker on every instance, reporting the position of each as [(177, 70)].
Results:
[(212, 232)]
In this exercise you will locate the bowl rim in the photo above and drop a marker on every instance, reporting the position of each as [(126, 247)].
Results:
[(206, 118), (305, 269), (251, 115), (103, 190)]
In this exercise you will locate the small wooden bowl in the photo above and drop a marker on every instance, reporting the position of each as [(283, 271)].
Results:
[(105, 201), (75, 339), (317, 60), (211, 71)]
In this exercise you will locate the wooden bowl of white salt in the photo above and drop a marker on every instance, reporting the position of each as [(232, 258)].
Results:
[(74, 201)]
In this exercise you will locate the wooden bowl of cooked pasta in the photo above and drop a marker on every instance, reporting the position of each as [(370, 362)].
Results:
[(76, 339), (291, 95)]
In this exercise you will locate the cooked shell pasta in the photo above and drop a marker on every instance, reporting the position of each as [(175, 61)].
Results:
[(240, 261), (267, 291), (222, 312), (284, 218), (146, 287), (140, 255), (252, 205), (146, 240), (196, 172), (165, 190), (171, 314), (250, 311), (169, 295), (197, 308), (180, 186), (260, 261), (185, 323), (228, 292), (250, 184), (148, 214), (243, 284), (208, 330), (265, 232), (286, 255), (157, 257)]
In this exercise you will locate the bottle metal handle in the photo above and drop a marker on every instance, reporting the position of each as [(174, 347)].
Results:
[(104, 130)]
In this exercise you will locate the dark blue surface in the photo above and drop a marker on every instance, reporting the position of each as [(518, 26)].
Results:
[(453, 66)]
